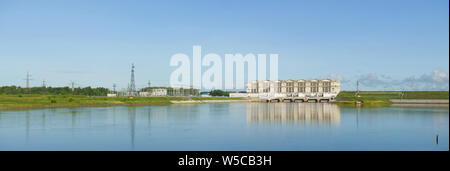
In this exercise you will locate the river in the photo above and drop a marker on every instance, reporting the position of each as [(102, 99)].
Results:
[(228, 126)]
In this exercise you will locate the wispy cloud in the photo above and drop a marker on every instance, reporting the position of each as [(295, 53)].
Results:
[(338, 77), (436, 80)]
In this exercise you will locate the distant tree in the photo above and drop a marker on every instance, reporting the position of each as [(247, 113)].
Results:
[(99, 91), (219, 93)]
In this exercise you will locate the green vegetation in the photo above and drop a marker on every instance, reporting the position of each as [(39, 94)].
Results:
[(46, 101), (88, 91), (425, 95), (384, 96), (219, 93), (17, 101)]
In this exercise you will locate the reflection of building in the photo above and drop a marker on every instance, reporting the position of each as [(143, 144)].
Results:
[(307, 113), (295, 88)]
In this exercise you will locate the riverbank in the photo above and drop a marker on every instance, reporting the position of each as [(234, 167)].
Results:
[(11, 102), (36, 101), (389, 97), (209, 101)]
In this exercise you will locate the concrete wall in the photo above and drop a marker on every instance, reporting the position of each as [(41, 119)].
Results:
[(238, 95), (420, 101)]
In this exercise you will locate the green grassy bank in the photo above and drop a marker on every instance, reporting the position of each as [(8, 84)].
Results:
[(48, 101), (384, 96)]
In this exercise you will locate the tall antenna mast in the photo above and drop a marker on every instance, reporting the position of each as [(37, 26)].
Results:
[(357, 88), (132, 88), (44, 87), (114, 88), (73, 85), (149, 89)]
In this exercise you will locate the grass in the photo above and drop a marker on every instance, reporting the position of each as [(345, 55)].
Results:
[(385, 96), (47, 101), (426, 95)]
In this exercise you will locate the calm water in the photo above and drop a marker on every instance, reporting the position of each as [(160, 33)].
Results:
[(234, 126)]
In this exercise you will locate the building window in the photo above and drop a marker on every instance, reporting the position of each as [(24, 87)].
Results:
[(302, 84), (290, 89), (302, 89)]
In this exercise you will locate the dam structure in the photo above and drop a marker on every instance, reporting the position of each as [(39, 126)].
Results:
[(324, 90)]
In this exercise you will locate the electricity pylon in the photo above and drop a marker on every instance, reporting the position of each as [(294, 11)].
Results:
[(28, 81), (132, 86)]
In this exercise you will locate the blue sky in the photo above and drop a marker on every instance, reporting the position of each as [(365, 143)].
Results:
[(402, 44)]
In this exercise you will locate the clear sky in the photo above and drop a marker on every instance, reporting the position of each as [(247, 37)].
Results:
[(386, 44)]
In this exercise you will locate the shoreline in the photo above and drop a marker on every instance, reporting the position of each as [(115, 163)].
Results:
[(123, 104), (207, 101), (399, 101), (408, 102)]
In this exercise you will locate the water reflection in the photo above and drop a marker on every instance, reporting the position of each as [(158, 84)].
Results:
[(73, 113), (303, 113), (27, 118), (312, 126), (358, 110), (43, 120), (132, 116)]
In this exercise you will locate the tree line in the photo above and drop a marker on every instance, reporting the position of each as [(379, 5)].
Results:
[(219, 93), (88, 91)]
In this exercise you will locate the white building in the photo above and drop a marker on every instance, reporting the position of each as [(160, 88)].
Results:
[(154, 92), (293, 88), (159, 92), (144, 94), (111, 95)]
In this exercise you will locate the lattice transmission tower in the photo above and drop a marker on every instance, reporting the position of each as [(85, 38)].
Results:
[(28, 81), (132, 86)]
